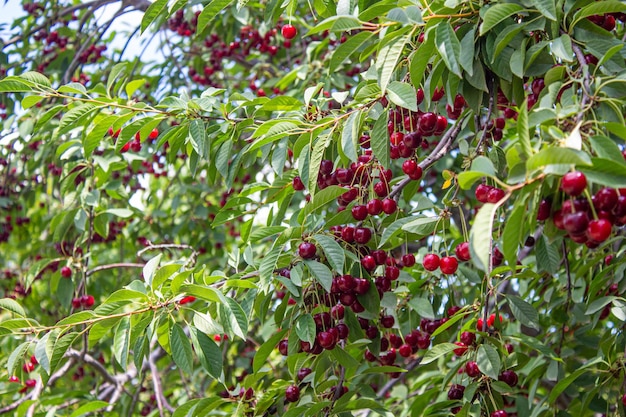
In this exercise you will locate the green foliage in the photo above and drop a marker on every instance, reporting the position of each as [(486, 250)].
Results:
[(376, 213)]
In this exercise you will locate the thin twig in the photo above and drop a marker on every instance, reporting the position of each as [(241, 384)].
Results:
[(569, 294), (586, 82), (114, 266)]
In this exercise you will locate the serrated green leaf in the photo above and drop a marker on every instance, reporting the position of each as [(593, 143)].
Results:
[(402, 94), (546, 7), (388, 57), (481, 236), (379, 140), (89, 408), (181, 349), (346, 49), (305, 328), (264, 351), (512, 234), (605, 172), (321, 273), (557, 156), (13, 306), (419, 60), (498, 13), (488, 361), (61, 345), (449, 47), (152, 12), (335, 254), (524, 312), (267, 266), (121, 342), (209, 354), (548, 258), (210, 12), (523, 132), (598, 8), (16, 357), (349, 136), (150, 268), (282, 103), (438, 351)]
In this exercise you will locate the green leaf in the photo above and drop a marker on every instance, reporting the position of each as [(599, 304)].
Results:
[(606, 172), (210, 12), (421, 225), (197, 135), (121, 342), (546, 7), (236, 318), (73, 88), (282, 103), (437, 351), (120, 69), (181, 349), (524, 312), (379, 140), (70, 120), (90, 407), (268, 265), (61, 345), (15, 85), (606, 148), (449, 47), (209, 354), (403, 95), (393, 230), (36, 78), (600, 8), (481, 236), (346, 49), (466, 57), (513, 233), (388, 57), (78, 317), (498, 13), (150, 268), (317, 154), (320, 200), (523, 133), (420, 59), (41, 352), (16, 357), (335, 254), (556, 156), (30, 101), (264, 351), (321, 273), (13, 306), (488, 361), (568, 380), (598, 304), (349, 136), (305, 328), (548, 258), (96, 135)]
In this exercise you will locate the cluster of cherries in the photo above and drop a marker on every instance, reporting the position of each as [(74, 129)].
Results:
[(607, 21), (586, 222), (27, 367), (249, 40)]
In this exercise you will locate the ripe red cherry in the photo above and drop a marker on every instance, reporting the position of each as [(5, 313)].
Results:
[(495, 195), (509, 377), (292, 393), (374, 207), (359, 212), (499, 413), (381, 189), (28, 367), (303, 373), (599, 230), (380, 256), (347, 234), (543, 212), (326, 340), (387, 321), (482, 192), (468, 338), (456, 392), (492, 320), (30, 383), (361, 286), (409, 166), (392, 272), (298, 185), (462, 251), (408, 260), (471, 369), (14, 379), (362, 235), (624, 400), (576, 223), (405, 350), (448, 265), (573, 183), (289, 31), (307, 250), (462, 348), (66, 272), (605, 199), (369, 263), (154, 134), (87, 300), (389, 205), (396, 137), (431, 262)]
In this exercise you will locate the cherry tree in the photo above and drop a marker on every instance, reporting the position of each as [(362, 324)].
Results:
[(314, 208)]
